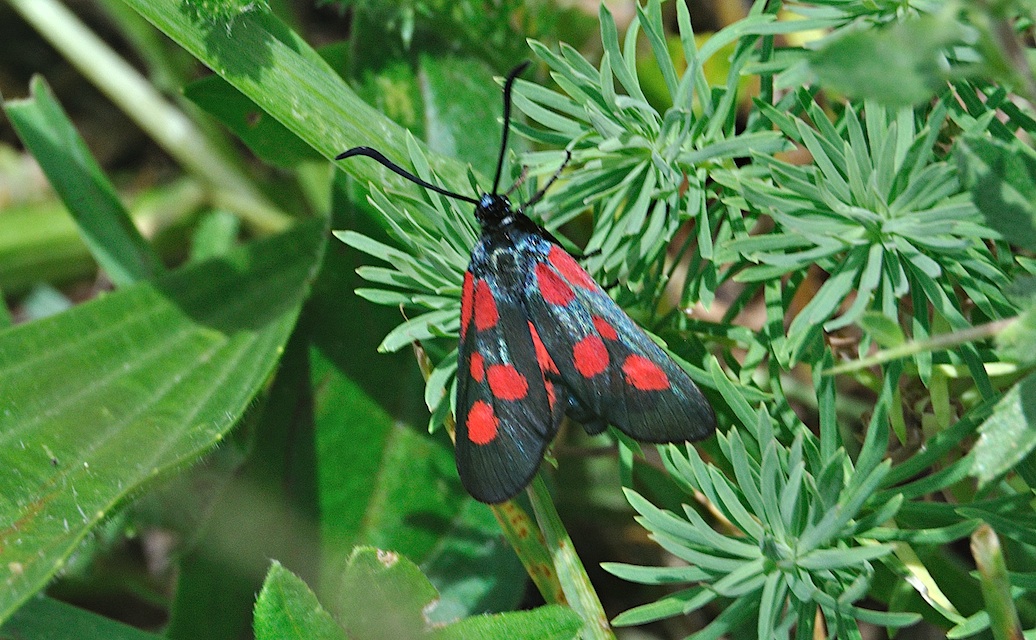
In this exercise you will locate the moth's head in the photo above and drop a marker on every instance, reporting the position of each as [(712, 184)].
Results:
[(493, 210)]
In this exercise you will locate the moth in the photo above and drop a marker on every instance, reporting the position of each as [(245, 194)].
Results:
[(540, 339)]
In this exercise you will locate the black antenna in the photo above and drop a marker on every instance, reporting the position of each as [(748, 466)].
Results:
[(392, 166), (557, 174), (507, 120), (376, 155)]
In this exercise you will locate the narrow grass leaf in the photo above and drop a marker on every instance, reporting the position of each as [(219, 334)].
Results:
[(654, 519), (735, 615), (709, 562), (746, 472), (732, 506), (747, 578), (771, 604), (770, 485), (651, 23), (434, 324), (837, 517), (936, 536), (892, 619), (91, 199)]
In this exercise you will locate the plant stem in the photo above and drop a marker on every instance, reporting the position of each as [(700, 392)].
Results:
[(935, 343), (569, 568), (166, 124)]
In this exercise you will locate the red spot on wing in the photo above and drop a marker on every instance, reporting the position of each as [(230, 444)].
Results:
[(546, 365), (590, 356), (568, 267), (644, 374), (482, 423), (478, 367), (485, 307), (605, 329), (466, 300), (542, 357), (506, 383), (553, 289)]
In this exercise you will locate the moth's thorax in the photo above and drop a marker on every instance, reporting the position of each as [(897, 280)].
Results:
[(497, 248), (494, 211)]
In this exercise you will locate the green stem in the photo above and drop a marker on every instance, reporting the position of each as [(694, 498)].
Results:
[(935, 343), (569, 568), (167, 125)]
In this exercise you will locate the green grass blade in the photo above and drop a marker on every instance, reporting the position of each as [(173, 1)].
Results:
[(272, 65), (77, 178), (166, 124)]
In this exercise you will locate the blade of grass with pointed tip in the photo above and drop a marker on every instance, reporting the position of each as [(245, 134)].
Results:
[(167, 125), (103, 398), (996, 586), (75, 175)]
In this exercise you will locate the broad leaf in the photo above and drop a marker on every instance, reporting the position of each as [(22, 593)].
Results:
[(108, 396)]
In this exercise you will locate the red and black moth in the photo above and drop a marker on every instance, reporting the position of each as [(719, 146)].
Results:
[(540, 339)]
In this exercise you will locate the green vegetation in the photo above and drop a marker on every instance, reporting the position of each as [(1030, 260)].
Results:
[(825, 209)]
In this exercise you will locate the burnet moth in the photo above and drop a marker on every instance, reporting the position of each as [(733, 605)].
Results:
[(540, 339)]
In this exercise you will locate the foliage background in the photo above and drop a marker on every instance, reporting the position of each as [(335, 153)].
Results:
[(190, 390)]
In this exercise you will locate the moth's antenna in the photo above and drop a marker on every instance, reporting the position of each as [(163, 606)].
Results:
[(392, 166), (507, 120), (539, 194)]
